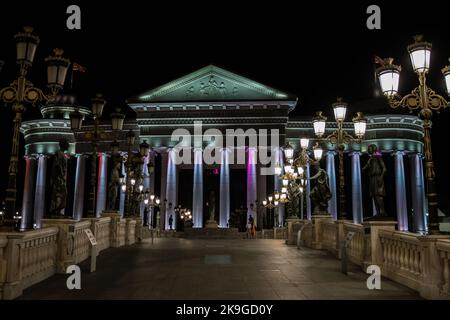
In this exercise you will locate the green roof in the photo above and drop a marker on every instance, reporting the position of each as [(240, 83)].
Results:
[(211, 83)]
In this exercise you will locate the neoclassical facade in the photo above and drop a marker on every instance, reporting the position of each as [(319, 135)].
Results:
[(219, 115)]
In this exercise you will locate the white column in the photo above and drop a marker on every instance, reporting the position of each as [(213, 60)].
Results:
[(400, 192), (146, 185), (39, 198), (151, 181), (277, 185), (123, 194), (357, 207), (27, 201), (197, 197), (171, 190), (418, 193), (251, 179), (331, 170), (224, 199), (78, 198), (102, 183), (164, 208), (308, 192)]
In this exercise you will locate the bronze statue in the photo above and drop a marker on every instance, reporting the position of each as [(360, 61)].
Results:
[(321, 193), (58, 180), (376, 170), (114, 180)]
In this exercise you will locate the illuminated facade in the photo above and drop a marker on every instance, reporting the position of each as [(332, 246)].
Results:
[(222, 101)]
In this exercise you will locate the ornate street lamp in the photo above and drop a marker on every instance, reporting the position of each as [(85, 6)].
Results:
[(95, 136), (340, 137), (294, 179), (150, 201), (424, 99), (21, 92)]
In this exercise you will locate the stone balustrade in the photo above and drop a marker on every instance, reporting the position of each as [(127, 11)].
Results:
[(443, 248), (26, 259), (29, 257), (419, 262)]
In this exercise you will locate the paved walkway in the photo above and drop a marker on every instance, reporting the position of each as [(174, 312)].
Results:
[(175, 268)]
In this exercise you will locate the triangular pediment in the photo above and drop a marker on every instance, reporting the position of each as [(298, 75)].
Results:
[(211, 83)]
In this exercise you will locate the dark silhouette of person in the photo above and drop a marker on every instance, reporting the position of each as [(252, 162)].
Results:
[(170, 222)]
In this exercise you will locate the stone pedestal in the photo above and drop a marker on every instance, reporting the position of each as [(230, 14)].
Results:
[(372, 229), (139, 229), (117, 228), (211, 224), (66, 238), (341, 235), (293, 225), (317, 220), (130, 231)]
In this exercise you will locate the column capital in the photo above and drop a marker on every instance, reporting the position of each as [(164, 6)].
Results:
[(30, 157), (354, 153), (398, 152), (331, 153)]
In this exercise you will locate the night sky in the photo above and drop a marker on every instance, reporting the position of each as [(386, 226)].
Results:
[(315, 50)]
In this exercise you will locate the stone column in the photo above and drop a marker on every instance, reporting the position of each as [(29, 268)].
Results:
[(251, 179), (308, 192), (400, 192), (164, 160), (171, 190), (123, 194), (277, 184), (331, 170), (39, 198), (28, 190), (418, 193), (151, 181), (146, 185), (102, 182), (224, 212), (78, 198), (357, 207), (262, 194), (197, 199)]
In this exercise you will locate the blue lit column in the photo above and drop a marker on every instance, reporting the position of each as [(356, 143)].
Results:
[(277, 185), (39, 198), (27, 202), (357, 207), (308, 192), (171, 191), (197, 198), (151, 181), (400, 192), (164, 161), (123, 194), (146, 185), (418, 193), (224, 212), (251, 179), (331, 170), (101, 183), (78, 202)]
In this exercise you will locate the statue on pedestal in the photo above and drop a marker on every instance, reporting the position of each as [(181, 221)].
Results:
[(58, 180), (376, 170), (114, 181), (321, 193)]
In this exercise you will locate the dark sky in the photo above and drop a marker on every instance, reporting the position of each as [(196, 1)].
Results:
[(316, 50)]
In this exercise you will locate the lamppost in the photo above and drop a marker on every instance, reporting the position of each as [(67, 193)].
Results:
[(426, 100), (150, 201), (270, 204), (340, 138), (21, 91), (95, 136), (134, 181), (184, 214), (294, 179)]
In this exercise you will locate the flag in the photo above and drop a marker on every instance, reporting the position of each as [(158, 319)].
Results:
[(378, 60), (78, 67)]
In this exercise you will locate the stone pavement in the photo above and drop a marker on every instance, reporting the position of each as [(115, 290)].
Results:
[(175, 268)]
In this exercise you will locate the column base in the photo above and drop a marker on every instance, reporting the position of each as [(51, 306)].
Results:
[(211, 224)]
